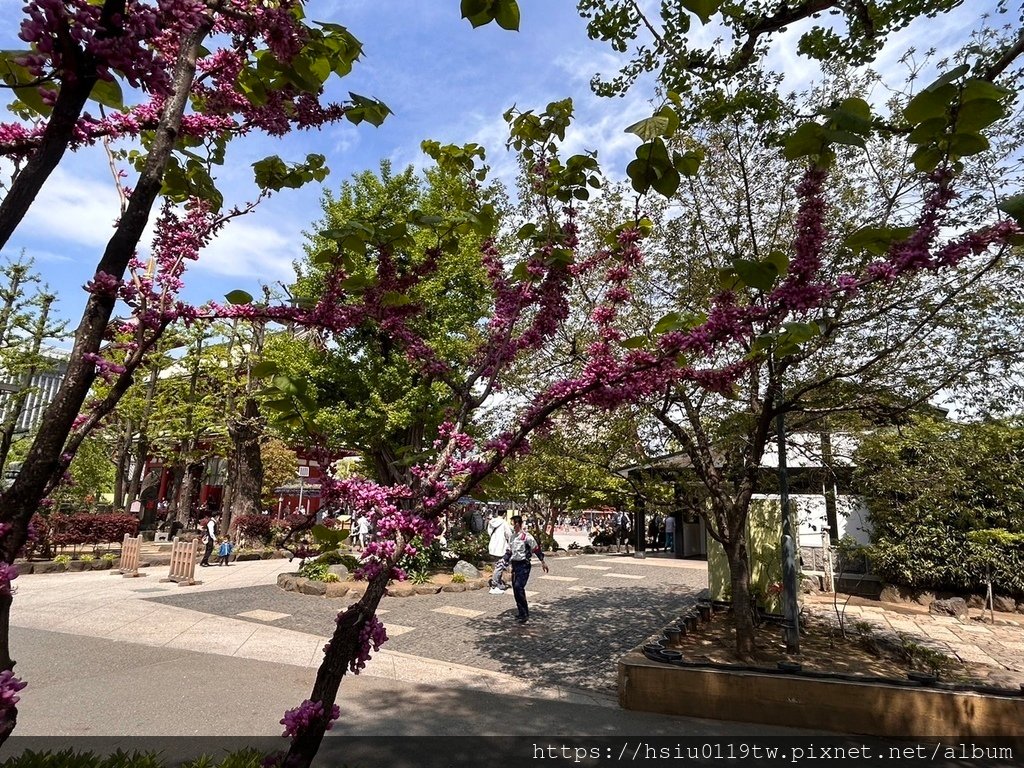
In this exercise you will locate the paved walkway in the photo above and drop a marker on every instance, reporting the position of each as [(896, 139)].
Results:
[(994, 651), (202, 650)]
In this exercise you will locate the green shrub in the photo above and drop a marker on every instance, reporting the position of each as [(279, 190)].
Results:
[(946, 504), (86, 558), (62, 559), (458, 578), (468, 546), (108, 557), (330, 578), (424, 561), (339, 558), (314, 571)]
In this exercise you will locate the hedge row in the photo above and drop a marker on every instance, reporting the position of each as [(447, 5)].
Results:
[(71, 530)]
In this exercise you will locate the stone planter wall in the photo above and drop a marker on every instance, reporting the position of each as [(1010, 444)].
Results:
[(292, 582)]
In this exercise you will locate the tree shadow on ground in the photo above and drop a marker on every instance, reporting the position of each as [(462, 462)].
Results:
[(577, 641)]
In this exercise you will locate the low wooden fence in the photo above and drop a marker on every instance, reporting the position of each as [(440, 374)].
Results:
[(130, 552), (183, 562)]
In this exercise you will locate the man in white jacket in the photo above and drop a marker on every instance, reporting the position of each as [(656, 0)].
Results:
[(501, 536)]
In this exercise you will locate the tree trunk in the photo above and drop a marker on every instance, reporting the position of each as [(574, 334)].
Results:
[(188, 492), (342, 650), (138, 467), (124, 453), (245, 477), (739, 581)]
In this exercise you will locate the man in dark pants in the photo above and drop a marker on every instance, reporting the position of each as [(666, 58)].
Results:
[(521, 547), (209, 537)]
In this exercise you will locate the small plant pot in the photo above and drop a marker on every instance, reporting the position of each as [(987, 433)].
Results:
[(670, 655), (789, 667), (704, 611), (654, 647), (691, 621), (673, 635), (923, 678)]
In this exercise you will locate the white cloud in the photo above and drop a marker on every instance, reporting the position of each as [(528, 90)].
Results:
[(73, 209), (247, 249)]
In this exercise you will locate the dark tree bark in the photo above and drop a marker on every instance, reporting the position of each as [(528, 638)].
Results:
[(245, 477)]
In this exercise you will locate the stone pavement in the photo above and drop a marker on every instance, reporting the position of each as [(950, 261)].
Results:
[(994, 651), (457, 650)]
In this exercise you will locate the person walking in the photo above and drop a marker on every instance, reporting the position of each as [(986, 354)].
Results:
[(521, 547), (622, 529), (670, 534), (501, 536), (363, 531), (208, 540)]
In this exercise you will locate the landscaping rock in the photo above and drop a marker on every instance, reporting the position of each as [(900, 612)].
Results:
[(243, 557), (951, 606), (477, 584), (401, 589), (975, 601), (49, 567), (24, 568), (809, 586), (78, 565), (426, 589), (336, 589), (338, 570), (893, 594), (310, 587), (1004, 604), (287, 581), (456, 587), (467, 570), (924, 598)]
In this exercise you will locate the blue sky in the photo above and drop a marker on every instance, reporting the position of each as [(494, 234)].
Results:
[(443, 80)]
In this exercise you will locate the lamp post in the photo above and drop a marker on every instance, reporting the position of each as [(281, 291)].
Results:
[(789, 573)]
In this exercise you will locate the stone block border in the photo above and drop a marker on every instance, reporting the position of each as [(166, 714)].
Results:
[(292, 582), (890, 710)]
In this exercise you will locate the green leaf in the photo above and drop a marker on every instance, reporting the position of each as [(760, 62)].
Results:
[(926, 159), (688, 163), (929, 104), (967, 144), (756, 274), (667, 183), (801, 332), (877, 240), (395, 299), (978, 114), (634, 342), (506, 13), (1014, 208), (669, 322), (473, 7), (108, 93), (779, 260), (929, 131), (807, 139), (264, 369), (239, 297), (650, 127), (975, 89), (356, 283), (702, 9), (527, 231), (949, 77)]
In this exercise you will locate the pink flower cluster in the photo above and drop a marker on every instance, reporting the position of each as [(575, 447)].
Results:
[(8, 573), (9, 688), (371, 636), (297, 721)]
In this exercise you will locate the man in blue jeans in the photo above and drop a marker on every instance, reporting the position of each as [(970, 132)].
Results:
[(522, 546)]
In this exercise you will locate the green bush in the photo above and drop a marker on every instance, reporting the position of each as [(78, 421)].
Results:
[(314, 571), (62, 559), (458, 578), (947, 505), (468, 546), (339, 558), (426, 559)]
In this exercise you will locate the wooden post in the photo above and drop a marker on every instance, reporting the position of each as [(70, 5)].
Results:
[(183, 562), (130, 553), (829, 581)]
